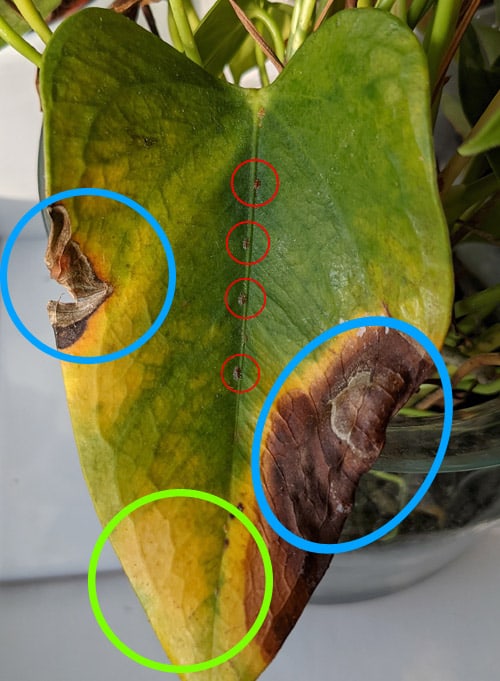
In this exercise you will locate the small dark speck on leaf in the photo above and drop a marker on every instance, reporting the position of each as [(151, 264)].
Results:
[(257, 183), (237, 373), (242, 298), (246, 243), (240, 507)]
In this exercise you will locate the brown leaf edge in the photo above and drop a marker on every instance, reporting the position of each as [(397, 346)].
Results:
[(318, 442), (73, 270)]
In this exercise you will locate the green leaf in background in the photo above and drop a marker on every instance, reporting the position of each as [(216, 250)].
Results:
[(479, 75), (356, 228), (487, 137)]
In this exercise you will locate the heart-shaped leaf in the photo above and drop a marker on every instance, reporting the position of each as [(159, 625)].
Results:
[(356, 227)]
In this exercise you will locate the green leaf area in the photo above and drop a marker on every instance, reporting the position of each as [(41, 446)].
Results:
[(356, 228)]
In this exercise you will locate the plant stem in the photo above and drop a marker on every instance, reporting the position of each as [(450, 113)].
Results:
[(34, 19), (193, 18), (400, 10), (417, 10), (19, 44), (301, 25), (386, 5), (184, 30), (260, 58), (174, 33), (440, 34), (255, 12)]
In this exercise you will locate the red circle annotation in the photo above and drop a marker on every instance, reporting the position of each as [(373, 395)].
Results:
[(235, 314), (263, 203), (223, 378), (249, 262)]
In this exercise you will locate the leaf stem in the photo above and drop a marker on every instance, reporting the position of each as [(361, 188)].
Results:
[(260, 58), (184, 30), (400, 10), (193, 18), (301, 25), (256, 12), (417, 10), (8, 34), (440, 34), (34, 19), (386, 5)]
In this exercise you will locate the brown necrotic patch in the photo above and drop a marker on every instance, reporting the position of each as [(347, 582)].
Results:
[(320, 439), (73, 270)]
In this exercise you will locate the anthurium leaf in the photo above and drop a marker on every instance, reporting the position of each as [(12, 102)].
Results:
[(356, 228)]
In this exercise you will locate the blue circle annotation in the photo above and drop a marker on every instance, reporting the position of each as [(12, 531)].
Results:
[(343, 547), (140, 210)]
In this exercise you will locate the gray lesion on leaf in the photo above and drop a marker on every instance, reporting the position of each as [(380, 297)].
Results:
[(73, 270)]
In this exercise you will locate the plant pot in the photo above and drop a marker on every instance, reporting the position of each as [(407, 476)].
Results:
[(463, 500)]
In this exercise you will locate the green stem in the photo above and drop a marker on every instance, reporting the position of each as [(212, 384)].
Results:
[(255, 12), (440, 35), (18, 43), (34, 19), (193, 18), (386, 5), (260, 58), (301, 25), (174, 33), (400, 10), (417, 10), (184, 30)]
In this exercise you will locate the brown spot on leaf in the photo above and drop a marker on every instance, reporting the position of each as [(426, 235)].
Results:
[(320, 440), (260, 116), (73, 270)]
